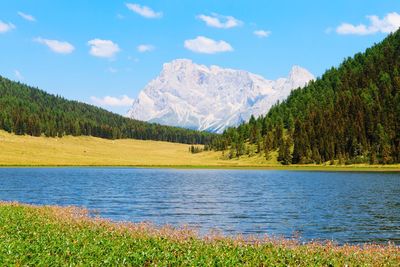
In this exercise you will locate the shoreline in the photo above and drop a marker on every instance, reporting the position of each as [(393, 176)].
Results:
[(55, 235), (322, 168)]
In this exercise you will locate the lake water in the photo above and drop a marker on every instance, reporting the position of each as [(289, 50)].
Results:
[(341, 206)]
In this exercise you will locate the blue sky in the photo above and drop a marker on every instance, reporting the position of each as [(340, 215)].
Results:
[(87, 50)]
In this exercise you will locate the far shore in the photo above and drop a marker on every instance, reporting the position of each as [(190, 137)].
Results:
[(86, 151), (317, 168)]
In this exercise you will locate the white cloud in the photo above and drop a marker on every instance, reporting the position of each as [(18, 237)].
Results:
[(144, 11), (26, 16), (346, 28), (18, 75), (6, 27), (122, 101), (56, 46), (219, 21), (145, 48), (103, 48), (206, 45), (262, 33), (389, 23)]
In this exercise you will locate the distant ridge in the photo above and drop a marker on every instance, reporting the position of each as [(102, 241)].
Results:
[(28, 110)]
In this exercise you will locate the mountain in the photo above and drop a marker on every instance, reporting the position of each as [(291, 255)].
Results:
[(349, 115), (28, 110), (195, 96)]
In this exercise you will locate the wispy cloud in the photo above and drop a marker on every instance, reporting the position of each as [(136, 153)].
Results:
[(18, 75), (56, 46), (133, 59), (144, 11), (145, 48), (206, 45), (389, 23), (26, 16), (6, 27), (262, 33), (103, 48), (219, 21), (110, 101), (112, 70)]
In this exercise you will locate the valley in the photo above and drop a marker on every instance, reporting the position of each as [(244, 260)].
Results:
[(200, 133)]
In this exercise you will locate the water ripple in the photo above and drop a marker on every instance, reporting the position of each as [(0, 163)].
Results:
[(345, 207)]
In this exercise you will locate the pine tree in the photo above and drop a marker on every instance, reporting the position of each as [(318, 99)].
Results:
[(350, 114), (285, 155)]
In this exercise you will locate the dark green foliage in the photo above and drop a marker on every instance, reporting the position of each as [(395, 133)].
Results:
[(285, 155), (27, 110), (351, 114), (195, 149)]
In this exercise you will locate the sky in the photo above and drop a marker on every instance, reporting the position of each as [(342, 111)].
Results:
[(105, 52)]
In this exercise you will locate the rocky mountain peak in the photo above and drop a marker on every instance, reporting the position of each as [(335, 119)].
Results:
[(195, 96)]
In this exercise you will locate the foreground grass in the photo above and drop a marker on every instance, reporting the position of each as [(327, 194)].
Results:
[(91, 151), (53, 236)]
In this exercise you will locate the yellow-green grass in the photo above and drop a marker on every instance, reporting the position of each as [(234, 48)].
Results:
[(92, 151), (17, 150), (67, 236)]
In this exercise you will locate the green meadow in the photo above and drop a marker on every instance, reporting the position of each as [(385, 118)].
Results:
[(25, 150), (65, 236)]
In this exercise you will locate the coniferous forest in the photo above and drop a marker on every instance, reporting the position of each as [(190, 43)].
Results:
[(27, 110), (349, 115)]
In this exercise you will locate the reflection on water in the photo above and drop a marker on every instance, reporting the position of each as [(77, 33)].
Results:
[(345, 207)]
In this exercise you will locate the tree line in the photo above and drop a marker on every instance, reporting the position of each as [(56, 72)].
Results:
[(28, 110), (351, 114)]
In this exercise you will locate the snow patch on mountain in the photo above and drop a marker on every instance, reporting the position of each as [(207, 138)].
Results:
[(212, 98)]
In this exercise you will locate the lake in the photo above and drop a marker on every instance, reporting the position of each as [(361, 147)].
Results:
[(347, 207)]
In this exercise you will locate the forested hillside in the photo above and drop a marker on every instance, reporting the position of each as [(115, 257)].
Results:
[(27, 110), (349, 115)]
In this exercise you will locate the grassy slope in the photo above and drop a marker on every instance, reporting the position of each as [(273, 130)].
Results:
[(54, 236), (91, 151), (68, 150)]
